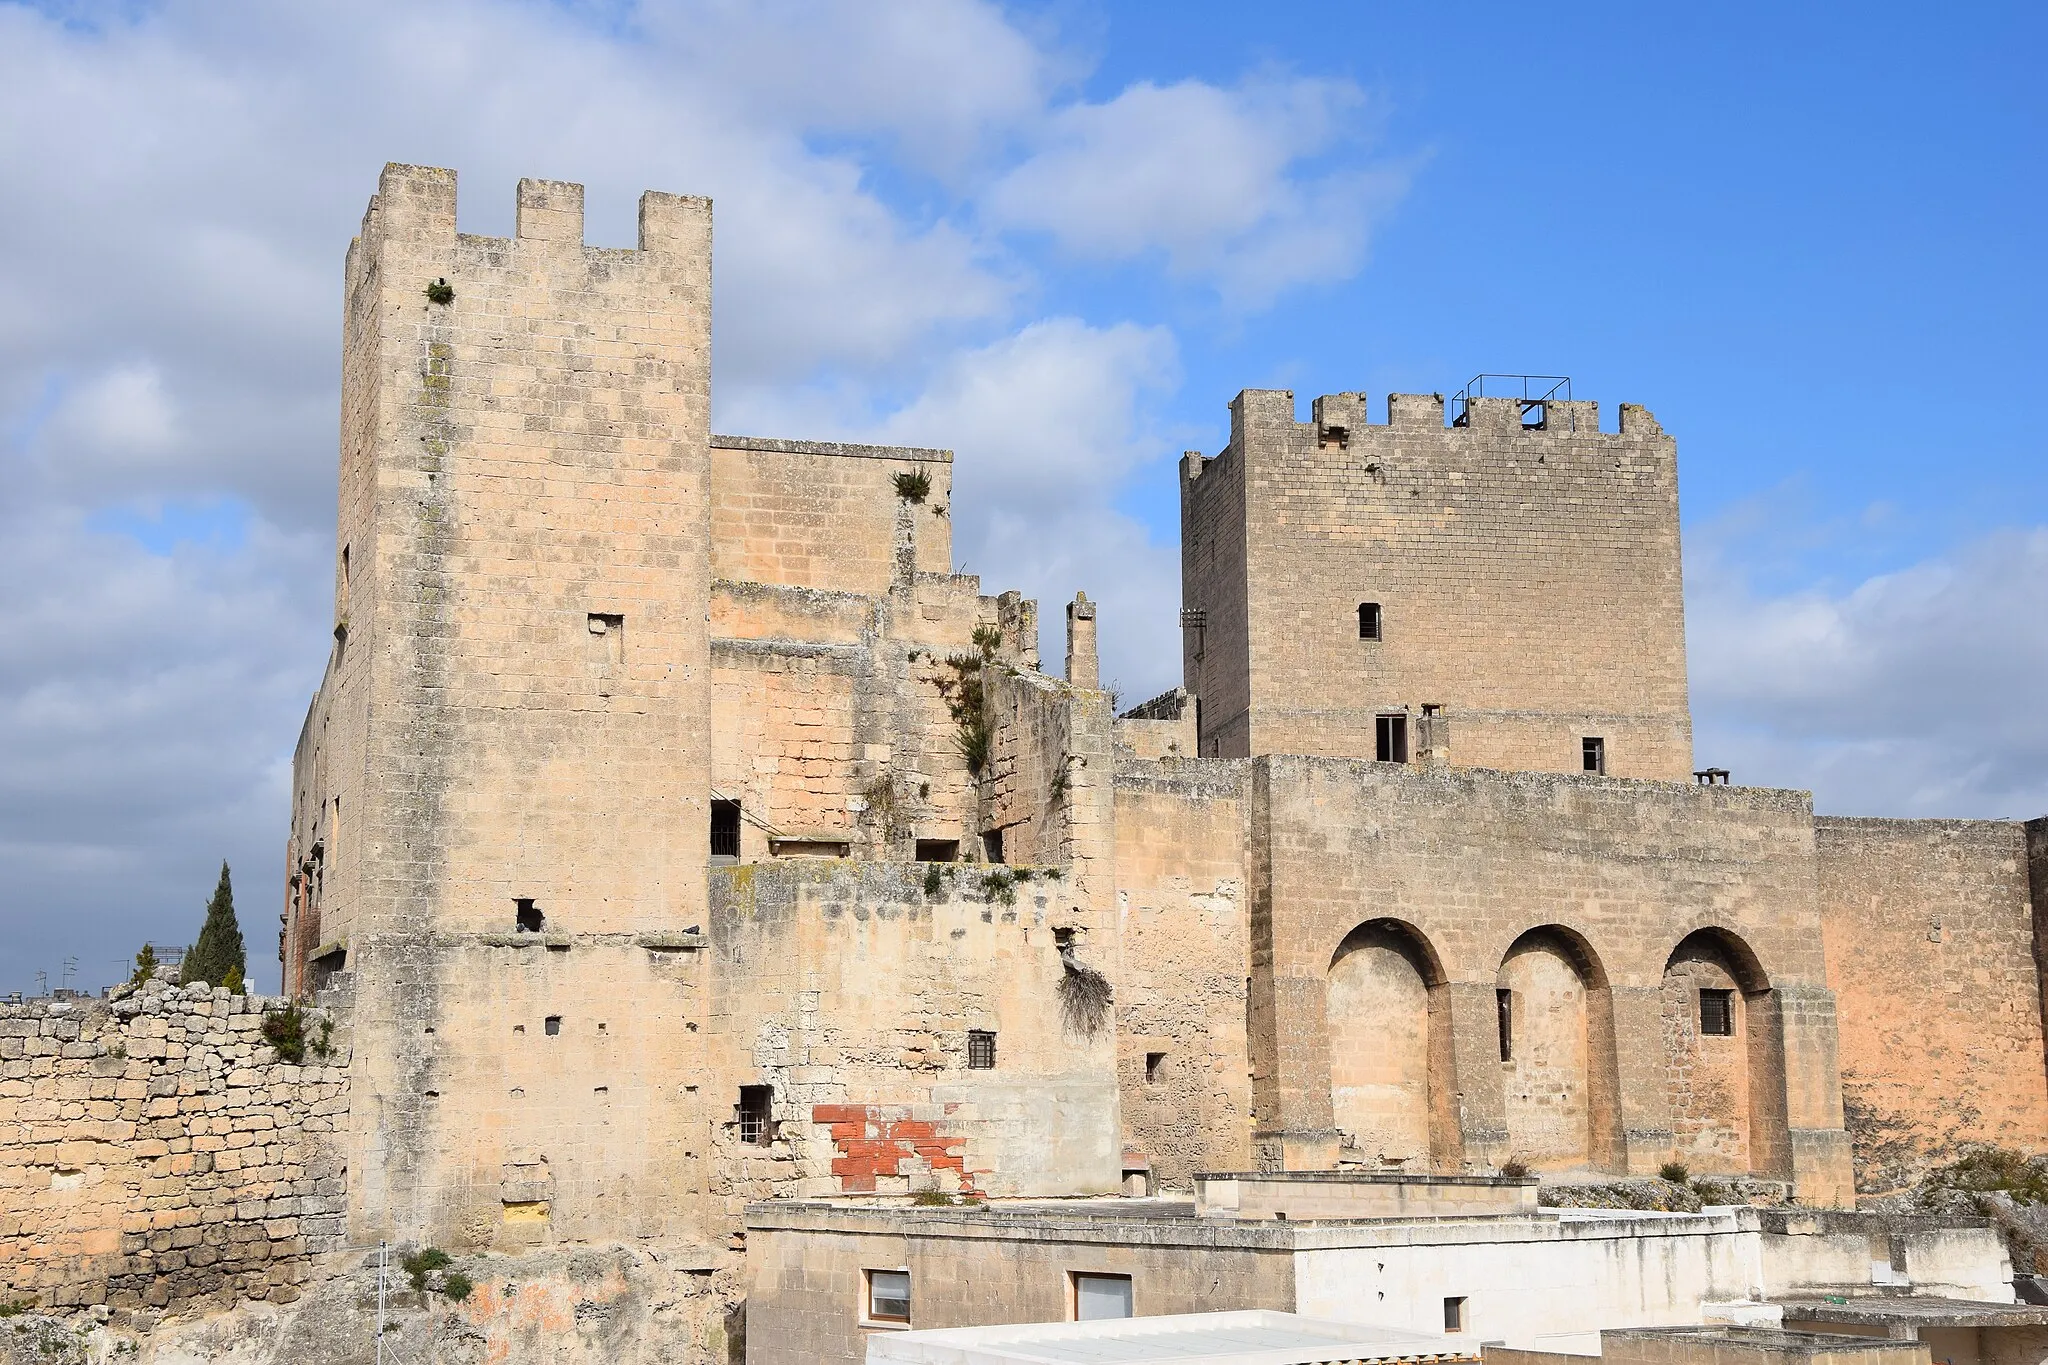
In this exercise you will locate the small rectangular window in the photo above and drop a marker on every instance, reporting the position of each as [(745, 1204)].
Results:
[(1101, 1296), (938, 850), (1504, 1008), (1717, 1013), (1454, 1314), (1155, 1067), (552, 1025), (889, 1296), (1593, 753), (1368, 620), (752, 1113), (527, 917), (725, 829), (1393, 739), (981, 1050), (992, 845)]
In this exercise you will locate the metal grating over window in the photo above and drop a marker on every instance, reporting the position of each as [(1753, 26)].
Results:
[(1368, 620), (1717, 1013), (753, 1111), (981, 1050), (725, 829)]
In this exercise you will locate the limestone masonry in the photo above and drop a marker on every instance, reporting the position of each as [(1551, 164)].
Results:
[(674, 831)]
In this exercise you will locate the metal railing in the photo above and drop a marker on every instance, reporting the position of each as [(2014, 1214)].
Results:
[(1532, 391)]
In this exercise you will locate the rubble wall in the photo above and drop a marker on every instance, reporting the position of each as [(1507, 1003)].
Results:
[(157, 1156)]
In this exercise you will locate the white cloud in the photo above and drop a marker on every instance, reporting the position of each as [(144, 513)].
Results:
[(1210, 178), (183, 178), (1914, 693)]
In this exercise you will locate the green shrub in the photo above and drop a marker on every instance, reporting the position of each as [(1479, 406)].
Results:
[(441, 292), (456, 1285), (419, 1264), (933, 881), (14, 1308), (913, 485), (285, 1030), (1674, 1171), (932, 1199), (1514, 1168)]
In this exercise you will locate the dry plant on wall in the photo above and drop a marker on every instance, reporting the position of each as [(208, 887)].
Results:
[(1084, 992)]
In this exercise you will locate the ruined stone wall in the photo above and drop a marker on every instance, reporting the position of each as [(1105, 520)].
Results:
[(1929, 929), (534, 640), (824, 514), (1182, 915), (829, 714), (157, 1156), (1464, 863), (1528, 582), (850, 990)]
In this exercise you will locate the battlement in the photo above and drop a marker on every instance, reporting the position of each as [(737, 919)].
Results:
[(417, 204), (1338, 420)]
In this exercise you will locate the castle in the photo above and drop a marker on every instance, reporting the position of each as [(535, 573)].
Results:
[(674, 830)]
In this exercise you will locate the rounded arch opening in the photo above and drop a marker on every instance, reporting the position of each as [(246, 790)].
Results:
[(1724, 1058), (1559, 1075), (1390, 1047)]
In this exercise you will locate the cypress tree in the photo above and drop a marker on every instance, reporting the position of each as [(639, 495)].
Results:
[(219, 950)]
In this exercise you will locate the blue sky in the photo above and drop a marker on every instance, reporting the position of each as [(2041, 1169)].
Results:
[(1057, 238)]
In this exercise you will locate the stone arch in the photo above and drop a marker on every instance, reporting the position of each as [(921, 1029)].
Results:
[(1559, 1077), (1726, 1090), (1390, 1048)]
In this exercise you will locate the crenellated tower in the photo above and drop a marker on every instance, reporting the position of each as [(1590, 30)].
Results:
[(1504, 592)]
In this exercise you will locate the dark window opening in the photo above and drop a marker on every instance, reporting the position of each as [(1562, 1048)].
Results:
[(1155, 1067), (1368, 620), (981, 1050), (1717, 1013), (1454, 1314), (526, 917), (889, 1296), (553, 1025), (756, 1125), (1504, 1009), (1393, 739), (938, 850), (725, 829), (1593, 753), (1097, 1297), (992, 845)]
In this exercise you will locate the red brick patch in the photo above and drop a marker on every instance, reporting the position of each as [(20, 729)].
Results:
[(888, 1140)]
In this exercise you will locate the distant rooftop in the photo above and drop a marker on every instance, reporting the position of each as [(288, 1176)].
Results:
[(1252, 1337)]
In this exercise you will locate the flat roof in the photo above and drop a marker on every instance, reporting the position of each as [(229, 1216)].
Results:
[(1247, 1337), (1915, 1310)]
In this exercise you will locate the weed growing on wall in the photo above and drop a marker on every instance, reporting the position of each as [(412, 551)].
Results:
[(967, 701), (286, 1030), (913, 485)]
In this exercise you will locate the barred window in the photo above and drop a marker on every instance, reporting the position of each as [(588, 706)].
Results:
[(981, 1050)]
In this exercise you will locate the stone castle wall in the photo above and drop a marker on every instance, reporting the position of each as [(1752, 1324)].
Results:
[(1528, 582), (1929, 928), (1458, 874), (158, 1157)]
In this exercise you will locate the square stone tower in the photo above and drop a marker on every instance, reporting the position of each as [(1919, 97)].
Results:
[(510, 753), (1504, 593)]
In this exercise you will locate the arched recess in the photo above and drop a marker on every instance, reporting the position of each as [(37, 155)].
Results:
[(1390, 1048), (1724, 1058), (1559, 1077)]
